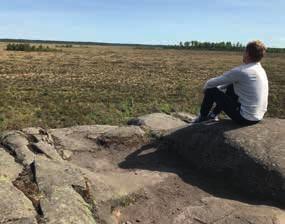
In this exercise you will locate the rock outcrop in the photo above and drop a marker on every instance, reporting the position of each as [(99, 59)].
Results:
[(157, 122), (251, 158), (214, 210), (114, 175)]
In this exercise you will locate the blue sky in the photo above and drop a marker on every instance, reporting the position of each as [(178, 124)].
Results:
[(144, 21)]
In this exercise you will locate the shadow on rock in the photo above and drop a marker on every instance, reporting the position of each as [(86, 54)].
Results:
[(223, 159)]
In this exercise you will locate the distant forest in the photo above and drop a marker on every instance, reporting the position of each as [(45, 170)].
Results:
[(28, 47), (220, 46), (192, 45)]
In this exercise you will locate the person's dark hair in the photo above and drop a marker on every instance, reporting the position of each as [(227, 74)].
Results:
[(256, 50)]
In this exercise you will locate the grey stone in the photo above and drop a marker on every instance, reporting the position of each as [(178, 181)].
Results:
[(20, 221), (8, 167), (14, 139), (24, 155), (186, 117), (17, 143), (66, 154), (78, 138), (157, 122), (15, 207), (252, 158), (65, 205), (51, 173), (125, 132), (47, 149), (32, 130), (221, 148), (38, 134), (222, 211), (126, 135)]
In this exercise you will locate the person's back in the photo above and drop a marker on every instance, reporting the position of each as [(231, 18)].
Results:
[(252, 89), (246, 97)]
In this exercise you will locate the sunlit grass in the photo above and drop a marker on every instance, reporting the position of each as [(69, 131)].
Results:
[(108, 85)]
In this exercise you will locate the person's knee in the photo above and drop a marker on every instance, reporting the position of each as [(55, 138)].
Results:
[(212, 91)]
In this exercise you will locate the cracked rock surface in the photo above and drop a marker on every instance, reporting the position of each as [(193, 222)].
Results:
[(114, 175), (15, 207)]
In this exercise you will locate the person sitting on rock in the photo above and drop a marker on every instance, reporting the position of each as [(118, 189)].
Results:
[(242, 93)]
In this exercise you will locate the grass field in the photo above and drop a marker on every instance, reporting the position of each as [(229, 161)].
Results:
[(108, 85)]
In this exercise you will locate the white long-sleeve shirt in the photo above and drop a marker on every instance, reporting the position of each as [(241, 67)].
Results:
[(250, 85)]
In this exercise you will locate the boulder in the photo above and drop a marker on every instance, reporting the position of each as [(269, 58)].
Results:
[(188, 118), (79, 138), (38, 134), (128, 136), (142, 183), (66, 154), (51, 174), (28, 144), (157, 122), (15, 207), (60, 203), (8, 167), (17, 143), (223, 211), (65, 205), (14, 139), (48, 150), (251, 158)]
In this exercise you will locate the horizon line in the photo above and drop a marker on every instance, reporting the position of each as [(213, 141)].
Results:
[(110, 43)]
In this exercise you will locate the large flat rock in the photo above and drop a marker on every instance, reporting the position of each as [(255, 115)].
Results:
[(252, 158), (141, 183), (124, 135), (222, 211), (50, 174), (157, 122), (61, 203), (79, 138)]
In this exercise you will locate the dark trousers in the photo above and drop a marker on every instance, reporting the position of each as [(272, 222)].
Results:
[(227, 102)]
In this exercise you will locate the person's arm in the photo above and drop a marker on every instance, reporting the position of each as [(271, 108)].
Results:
[(226, 79), (222, 87)]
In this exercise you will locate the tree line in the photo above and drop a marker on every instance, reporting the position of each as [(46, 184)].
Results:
[(211, 45), (220, 46), (28, 47), (195, 45), (65, 45)]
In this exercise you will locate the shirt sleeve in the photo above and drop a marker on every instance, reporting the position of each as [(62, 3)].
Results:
[(227, 78)]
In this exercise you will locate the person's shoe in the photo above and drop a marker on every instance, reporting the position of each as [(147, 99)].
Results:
[(200, 119), (213, 117)]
